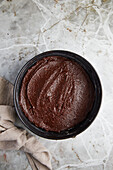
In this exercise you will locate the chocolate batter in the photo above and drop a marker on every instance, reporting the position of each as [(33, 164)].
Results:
[(56, 94)]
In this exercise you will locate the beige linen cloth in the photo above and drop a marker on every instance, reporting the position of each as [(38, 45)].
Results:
[(13, 138)]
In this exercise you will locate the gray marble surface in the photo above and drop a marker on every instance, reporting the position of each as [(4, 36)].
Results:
[(30, 27)]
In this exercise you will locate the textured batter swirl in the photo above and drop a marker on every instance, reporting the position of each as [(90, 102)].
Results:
[(56, 94)]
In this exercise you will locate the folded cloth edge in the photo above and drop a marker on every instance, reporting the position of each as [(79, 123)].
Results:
[(39, 157)]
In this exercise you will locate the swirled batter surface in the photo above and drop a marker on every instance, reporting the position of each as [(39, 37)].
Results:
[(56, 94)]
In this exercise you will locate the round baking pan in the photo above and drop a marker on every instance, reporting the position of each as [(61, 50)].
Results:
[(90, 116)]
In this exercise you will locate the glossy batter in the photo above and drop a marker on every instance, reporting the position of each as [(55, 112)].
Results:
[(56, 94)]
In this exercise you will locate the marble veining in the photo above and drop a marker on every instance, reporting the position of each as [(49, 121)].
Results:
[(85, 27)]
